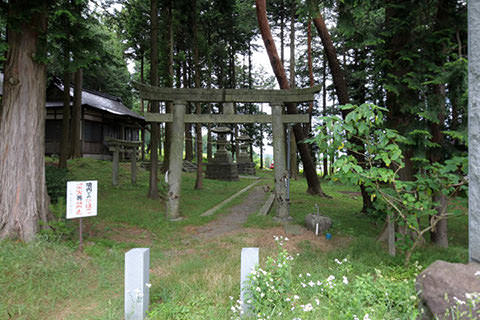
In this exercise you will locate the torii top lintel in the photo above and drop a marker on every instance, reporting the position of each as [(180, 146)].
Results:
[(148, 92)]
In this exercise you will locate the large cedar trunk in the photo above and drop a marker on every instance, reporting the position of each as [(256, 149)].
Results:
[(22, 163), (279, 71), (155, 131), (77, 114)]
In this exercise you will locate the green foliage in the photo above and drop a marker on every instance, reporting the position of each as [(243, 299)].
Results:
[(367, 153), (56, 179), (275, 293)]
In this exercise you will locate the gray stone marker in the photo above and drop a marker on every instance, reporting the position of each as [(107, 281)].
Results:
[(474, 130), (137, 265), (248, 261)]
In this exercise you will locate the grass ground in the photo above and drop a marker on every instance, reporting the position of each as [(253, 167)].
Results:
[(191, 279)]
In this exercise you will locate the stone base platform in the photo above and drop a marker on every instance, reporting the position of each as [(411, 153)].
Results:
[(222, 171), (246, 168)]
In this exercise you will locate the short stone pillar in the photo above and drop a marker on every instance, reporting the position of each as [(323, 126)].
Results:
[(222, 167), (245, 166), (137, 266), (281, 174), (249, 260)]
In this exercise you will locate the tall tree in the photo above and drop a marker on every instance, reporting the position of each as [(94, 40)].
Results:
[(155, 108), (22, 165), (279, 71), (198, 106)]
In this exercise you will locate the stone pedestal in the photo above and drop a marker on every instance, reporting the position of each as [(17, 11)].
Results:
[(222, 166)]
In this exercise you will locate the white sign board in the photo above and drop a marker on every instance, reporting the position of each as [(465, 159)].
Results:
[(81, 199)]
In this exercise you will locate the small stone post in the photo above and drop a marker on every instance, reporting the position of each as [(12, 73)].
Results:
[(249, 260), (474, 130), (116, 156), (137, 266), (176, 163), (133, 167), (279, 159)]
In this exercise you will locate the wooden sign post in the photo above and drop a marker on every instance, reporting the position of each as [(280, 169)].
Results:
[(81, 203)]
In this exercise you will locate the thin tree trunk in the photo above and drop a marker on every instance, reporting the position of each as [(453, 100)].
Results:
[(65, 138), (23, 196), (169, 80), (142, 104), (279, 71), (188, 126), (77, 114), (324, 111), (198, 106), (155, 128), (293, 145)]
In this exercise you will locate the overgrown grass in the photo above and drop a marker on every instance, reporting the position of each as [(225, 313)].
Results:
[(191, 278)]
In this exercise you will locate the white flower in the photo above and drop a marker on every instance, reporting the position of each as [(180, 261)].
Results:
[(149, 285), (303, 284), (232, 308), (262, 295), (287, 299), (308, 274), (258, 289), (319, 283), (477, 273), (355, 317), (345, 280), (311, 283), (307, 307), (300, 275), (317, 301), (286, 239), (458, 300), (331, 278), (413, 298), (295, 297), (338, 261), (366, 317)]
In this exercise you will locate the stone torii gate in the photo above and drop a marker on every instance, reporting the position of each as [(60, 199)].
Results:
[(180, 97)]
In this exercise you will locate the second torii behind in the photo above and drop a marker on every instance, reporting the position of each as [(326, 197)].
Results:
[(180, 97)]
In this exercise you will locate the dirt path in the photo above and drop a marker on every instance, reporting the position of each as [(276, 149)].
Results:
[(236, 217)]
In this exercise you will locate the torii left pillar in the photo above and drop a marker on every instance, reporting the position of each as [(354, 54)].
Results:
[(175, 161)]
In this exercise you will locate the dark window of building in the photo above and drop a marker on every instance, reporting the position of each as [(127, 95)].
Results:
[(92, 131), (53, 130)]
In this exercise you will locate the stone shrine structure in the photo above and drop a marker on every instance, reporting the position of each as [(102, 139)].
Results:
[(222, 167), (245, 166)]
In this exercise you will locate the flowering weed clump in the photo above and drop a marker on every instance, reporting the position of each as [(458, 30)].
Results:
[(276, 292)]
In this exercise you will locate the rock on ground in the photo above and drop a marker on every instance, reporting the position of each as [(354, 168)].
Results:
[(444, 286), (324, 223)]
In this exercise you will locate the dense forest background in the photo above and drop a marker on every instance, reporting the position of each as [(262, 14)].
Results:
[(407, 56)]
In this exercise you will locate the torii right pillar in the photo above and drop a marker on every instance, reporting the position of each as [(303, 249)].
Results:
[(281, 174), (474, 130)]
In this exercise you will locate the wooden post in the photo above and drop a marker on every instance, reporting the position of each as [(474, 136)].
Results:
[(116, 152), (391, 235), (279, 159), (175, 160), (133, 167)]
